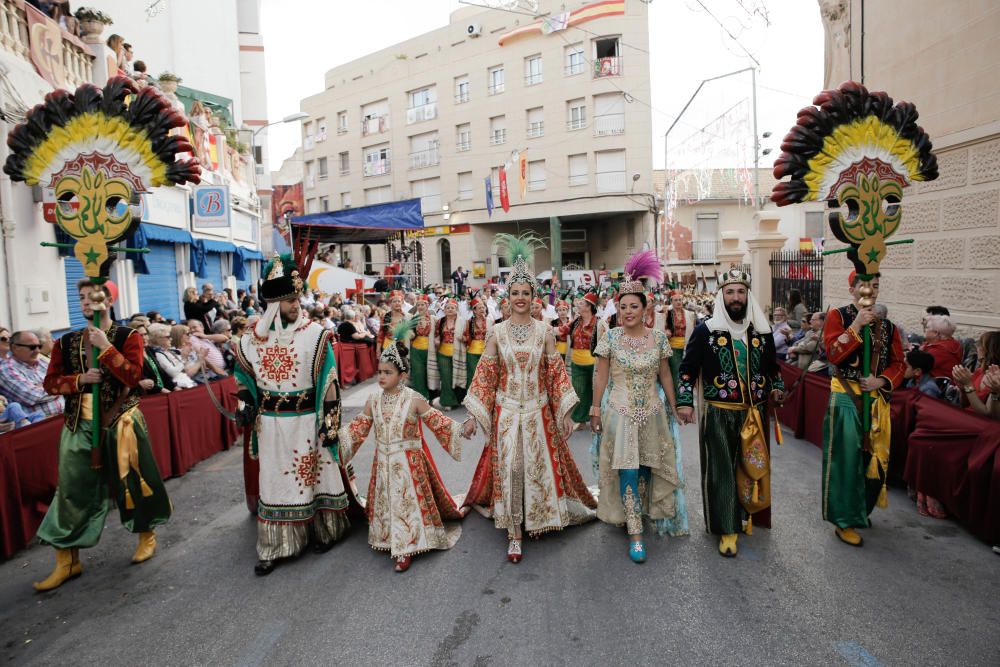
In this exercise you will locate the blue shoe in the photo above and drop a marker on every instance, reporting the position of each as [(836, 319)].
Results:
[(637, 551)]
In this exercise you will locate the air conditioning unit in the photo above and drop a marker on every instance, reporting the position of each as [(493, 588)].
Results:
[(473, 30)]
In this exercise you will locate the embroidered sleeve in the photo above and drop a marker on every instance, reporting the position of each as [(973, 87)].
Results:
[(691, 365), (353, 435), (665, 350), (481, 398), (562, 397), (603, 348), (770, 364), (894, 370), (841, 341), (446, 430), (125, 365), (56, 382)]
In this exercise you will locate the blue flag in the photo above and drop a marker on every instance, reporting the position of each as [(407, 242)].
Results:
[(489, 197)]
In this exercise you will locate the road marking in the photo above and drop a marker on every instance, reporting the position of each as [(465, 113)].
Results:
[(856, 655), (263, 644)]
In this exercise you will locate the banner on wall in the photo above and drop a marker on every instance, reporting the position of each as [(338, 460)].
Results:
[(287, 202), (211, 207), (504, 195)]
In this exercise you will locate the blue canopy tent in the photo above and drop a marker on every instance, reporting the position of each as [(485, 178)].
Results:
[(365, 224)]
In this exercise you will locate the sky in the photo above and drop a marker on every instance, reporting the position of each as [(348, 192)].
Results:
[(690, 40)]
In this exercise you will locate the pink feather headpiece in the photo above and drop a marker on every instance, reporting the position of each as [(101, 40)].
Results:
[(643, 264)]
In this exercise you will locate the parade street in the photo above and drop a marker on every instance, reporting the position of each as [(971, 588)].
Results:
[(920, 592)]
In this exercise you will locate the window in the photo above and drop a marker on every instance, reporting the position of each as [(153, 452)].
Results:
[(578, 170), (536, 122), (324, 204), (320, 129), (310, 174), (345, 200), (312, 206), (463, 137), (576, 114), (609, 114), (465, 187), (429, 192), (814, 224), (378, 195), (422, 105), (462, 89), (308, 136), (705, 246), (498, 130), (377, 160), (610, 171), (342, 122), (607, 57), (533, 70), (323, 173), (424, 150), (494, 80), (345, 163), (536, 175), (495, 182), (574, 59), (374, 118)]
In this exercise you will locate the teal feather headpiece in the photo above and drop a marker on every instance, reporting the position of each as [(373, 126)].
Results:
[(519, 252), (401, 333)]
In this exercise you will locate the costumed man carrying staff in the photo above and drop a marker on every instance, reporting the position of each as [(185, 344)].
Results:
[(732, 356), (96, 150), (857, 151), (291, 398)]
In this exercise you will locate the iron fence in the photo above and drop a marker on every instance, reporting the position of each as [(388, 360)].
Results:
[(795, 270)]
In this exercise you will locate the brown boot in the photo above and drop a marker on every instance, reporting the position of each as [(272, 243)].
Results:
[(75, 569), (146, 547), (62, 572)]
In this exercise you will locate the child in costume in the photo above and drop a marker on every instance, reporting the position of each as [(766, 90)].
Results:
[(407, 502)]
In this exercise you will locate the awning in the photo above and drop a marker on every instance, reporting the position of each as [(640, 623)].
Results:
[(217, 246), (250, 253), (365, 224), (165, 234), (240, 259)]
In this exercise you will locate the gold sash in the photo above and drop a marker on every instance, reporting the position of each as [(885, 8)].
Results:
[(420, 343), (582, 357), (446, 349), (561, 347), (880, 435), (476, 347), (677, 342)]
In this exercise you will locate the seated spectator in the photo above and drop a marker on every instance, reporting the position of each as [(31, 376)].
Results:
[(13, 416), (225, 328), (371, 321), (155, 317), (798, 317), (22, 374), (979, 386), (239, 327), (352, 330), (45, 338), (781, 330), (4, 342), (152, 378), (228, 301), (172, 350), (215, 362), (940, 343), (919, 365), (808, 346)]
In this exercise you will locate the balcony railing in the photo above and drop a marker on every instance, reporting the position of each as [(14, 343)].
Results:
[(609, 124), (536, 129), (495, 88), (374, 125), (611, 181), (425, 158), (575, 68), (71, 62), (705, 251), (498, 137), (533, 79), (461, 97), (576, 123), (420, 113), (608, 66), (377, 167), (463, 145)]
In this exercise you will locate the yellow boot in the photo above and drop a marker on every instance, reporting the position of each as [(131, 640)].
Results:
[(146, 547), (727, 545), (849, 536), (76, 569), (62, 572)]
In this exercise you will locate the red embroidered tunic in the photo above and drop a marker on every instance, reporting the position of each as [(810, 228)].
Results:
[(475, 332), (584, 334)]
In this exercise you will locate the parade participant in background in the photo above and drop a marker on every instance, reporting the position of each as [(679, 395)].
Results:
[(732, 357), (290, 396), (407, 503), (446, 372), (855, 464), (584, 333), (560, 327), (504, 310), (637, 453), (537, 308), (521, 397), (474, 338), (392, 318), (420, 345), (124, 464), (680, 323)]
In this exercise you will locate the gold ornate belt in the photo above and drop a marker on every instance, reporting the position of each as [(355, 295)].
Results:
[(522, 406), (398, 446)]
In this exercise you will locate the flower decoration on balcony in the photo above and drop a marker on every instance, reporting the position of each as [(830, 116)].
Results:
[(169, 76), (91, 14), (96, 150), (858, 150)]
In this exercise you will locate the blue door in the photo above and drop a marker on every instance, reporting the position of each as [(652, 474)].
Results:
[(159, 289), (213, 271), (74, 274)]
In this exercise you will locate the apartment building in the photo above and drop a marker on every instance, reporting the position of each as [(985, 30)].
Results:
[(435, 116)]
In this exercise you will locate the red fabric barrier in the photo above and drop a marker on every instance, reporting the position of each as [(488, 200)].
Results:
[(347, 368), (363, 359), (156, 410), (251, 475), (902, 413), (953, 457), (195, 439), (815, 398), (11, 525), (791, 413)]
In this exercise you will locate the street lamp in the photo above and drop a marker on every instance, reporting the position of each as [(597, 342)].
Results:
[(290, 118)]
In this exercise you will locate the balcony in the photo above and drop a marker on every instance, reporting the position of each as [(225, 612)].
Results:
[(374, 125), (609, 66), (377, 167), (576, 124), (419, 114), (608, 125), (425, 158), (498, 137), (67, 60), (536, 129), (705, 251), (611, 181)]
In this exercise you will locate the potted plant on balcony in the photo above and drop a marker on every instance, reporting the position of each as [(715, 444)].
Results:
[(92, 21)]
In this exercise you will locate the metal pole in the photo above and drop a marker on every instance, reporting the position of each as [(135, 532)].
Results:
[(758, 202), (555, 258)]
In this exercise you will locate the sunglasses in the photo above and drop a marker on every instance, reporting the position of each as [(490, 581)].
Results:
[(30, 347)]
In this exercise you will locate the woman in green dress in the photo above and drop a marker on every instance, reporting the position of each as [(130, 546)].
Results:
[(419, 347)]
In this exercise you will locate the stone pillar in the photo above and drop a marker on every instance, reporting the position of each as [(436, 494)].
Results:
[(730, 253), (104, 59), (766, 239)]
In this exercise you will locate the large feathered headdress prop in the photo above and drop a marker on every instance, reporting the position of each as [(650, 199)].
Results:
[(519, 252), (641, 265), (858, 150), (96, 149)]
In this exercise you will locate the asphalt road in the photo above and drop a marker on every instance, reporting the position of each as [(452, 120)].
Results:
[(920, 592)]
